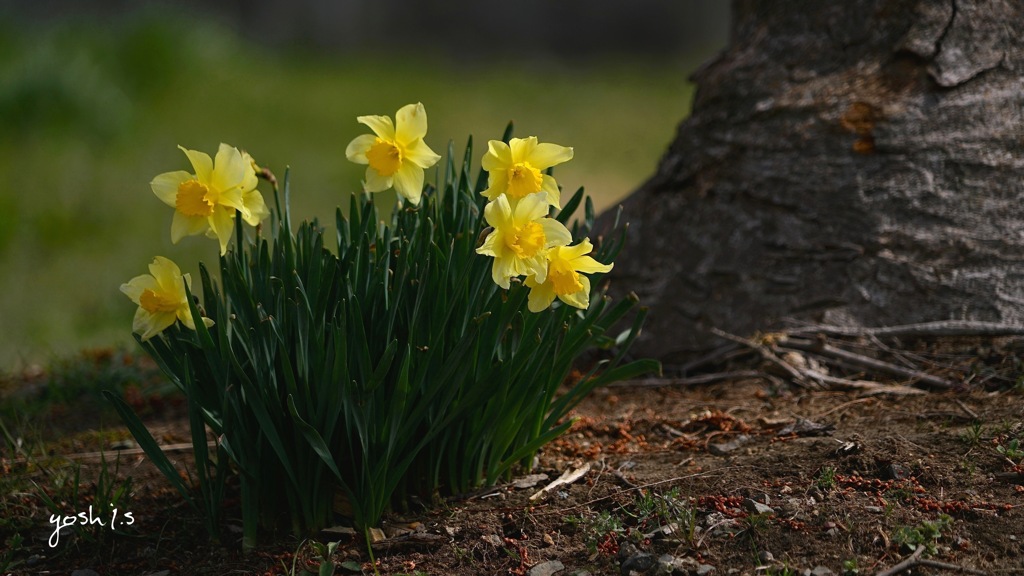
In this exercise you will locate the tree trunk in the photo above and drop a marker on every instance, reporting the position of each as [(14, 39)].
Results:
[(856, 163)]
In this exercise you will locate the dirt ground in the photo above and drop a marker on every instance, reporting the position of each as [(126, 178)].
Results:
[(750, 475)]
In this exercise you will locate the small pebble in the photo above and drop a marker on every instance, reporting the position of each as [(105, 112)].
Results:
[(641, 562), (755, 507), (727, 447), (546, 568)]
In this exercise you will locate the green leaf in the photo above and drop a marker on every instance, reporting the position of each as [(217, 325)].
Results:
[(149, 445)]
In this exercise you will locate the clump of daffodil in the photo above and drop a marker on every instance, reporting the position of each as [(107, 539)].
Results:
[(564, 279), (521, 237), (161, 298), (395, 153), (515, 169), (206, 201)]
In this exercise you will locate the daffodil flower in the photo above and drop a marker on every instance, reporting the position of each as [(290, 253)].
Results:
[(161, 298), (515, 169), (521, 238), (564, 279), (206, 201), (395, 153)]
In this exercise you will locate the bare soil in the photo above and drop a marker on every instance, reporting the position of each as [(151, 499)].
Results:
[(746, 476)]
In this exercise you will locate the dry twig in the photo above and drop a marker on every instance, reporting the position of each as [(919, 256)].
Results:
[(939, 328), (915, 560), (827, 350), (767, 354), (690, 381)]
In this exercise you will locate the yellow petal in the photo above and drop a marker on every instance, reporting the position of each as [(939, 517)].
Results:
[(381, 126), (531, 207), (168, 277), (541, 295), (357, 148), (182, 226), (228, 169), (420, 154), (411, 123), (579, 299), (184, 314), (257, 208), (490, 245), (502, 271), (555, 232), (165, 186), (546, 155), (522, 148), (497, 158), (408, 182), (222, 223), (498, 213), (134, 288), (497, 185), (550, 187), (250, 181), (162, 268), (588, 265), (536, 266), (375, 182), (201, 163), (572, 252), (147, 325)]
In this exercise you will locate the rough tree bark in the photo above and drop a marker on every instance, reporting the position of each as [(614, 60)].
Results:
[(858, 163)]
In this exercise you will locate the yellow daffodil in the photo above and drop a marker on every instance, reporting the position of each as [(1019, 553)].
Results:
[(515, 169), (564, 279), (206, 201), (521, 238), (161, 299), (395, 153)]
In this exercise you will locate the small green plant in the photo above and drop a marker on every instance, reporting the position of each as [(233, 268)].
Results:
[(826, 480), (783, 570), (972, 435), (647, 513), (1012, 449), (925, 534), (323, 558), (850, 567), (755, 525), (652, 510), (603, 528), (98, 509), (900, 494), (12, 546)]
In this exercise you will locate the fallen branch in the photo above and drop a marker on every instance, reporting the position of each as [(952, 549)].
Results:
[(872, 363), (114, 453), (865, 386), (690, 381), (915, 560), (939, 328), (797, 376)]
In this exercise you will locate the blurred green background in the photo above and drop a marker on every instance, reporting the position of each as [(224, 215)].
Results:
[(92, 107)]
